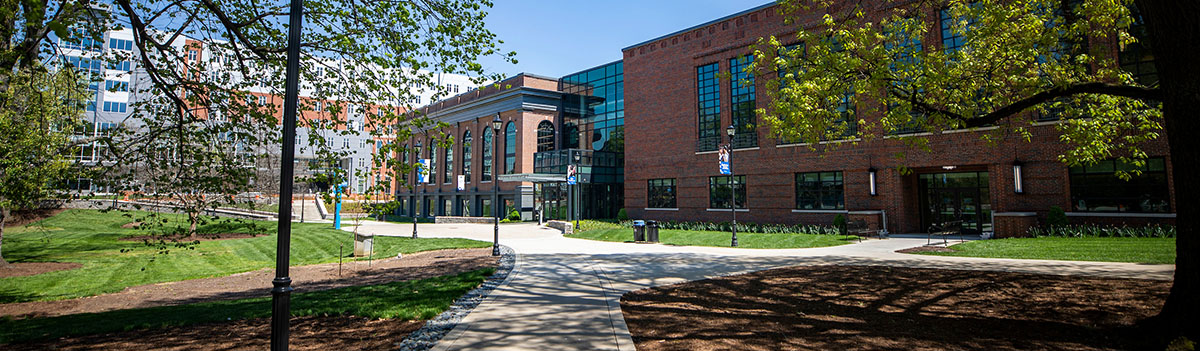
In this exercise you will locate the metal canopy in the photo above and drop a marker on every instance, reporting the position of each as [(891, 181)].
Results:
[(533, 177)]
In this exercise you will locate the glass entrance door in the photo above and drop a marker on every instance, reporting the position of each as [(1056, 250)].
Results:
[(963, 196)]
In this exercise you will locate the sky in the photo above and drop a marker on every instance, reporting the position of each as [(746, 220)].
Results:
[(559, 37)]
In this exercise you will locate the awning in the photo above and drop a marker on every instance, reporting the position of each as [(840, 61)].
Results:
[(533, 177)]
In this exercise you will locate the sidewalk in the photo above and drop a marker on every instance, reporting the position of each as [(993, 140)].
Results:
[(564, 293)]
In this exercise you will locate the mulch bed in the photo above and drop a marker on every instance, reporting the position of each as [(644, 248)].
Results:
[(24, 217), (890, 308), (307, 333), (33, 268), (926, 249)]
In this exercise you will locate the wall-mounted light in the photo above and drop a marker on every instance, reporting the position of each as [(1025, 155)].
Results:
[(949, 167), (1018, 186), (872, 172)]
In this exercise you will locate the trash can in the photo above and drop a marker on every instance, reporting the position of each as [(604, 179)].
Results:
[(652, 231), (639, 230), (362, 244)]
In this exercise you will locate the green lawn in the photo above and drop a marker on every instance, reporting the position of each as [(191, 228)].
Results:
[(720, 239), (414, 299), (91, 238), (1136, 250)]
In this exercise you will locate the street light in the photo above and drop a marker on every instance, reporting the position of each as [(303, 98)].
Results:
[(281, 291), (578, 212), (415, 180), (496, 123), (732, 192)]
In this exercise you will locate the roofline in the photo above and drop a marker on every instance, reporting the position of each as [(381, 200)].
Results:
[(532, 75), (592, 68), (756, 8)]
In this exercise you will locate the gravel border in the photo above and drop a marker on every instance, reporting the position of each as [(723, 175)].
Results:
[(435, 329)]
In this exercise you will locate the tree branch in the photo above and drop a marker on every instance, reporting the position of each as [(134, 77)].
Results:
[(1057, 92)]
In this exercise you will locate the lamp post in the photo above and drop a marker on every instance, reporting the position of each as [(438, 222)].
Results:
[(281, 292), (732, 191), (496, 123), (575, 196), (416, 178)]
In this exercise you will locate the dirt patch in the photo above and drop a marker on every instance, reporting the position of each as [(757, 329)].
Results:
[(25, 217), (258, 283), (307, 333), (23, 269), (889, 308), (131, 225), (185, 238), (919, 249)]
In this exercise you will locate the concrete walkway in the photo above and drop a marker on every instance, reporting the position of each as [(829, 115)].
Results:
[(564, 293)]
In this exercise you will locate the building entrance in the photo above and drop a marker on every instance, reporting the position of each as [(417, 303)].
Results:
[(961, 196)]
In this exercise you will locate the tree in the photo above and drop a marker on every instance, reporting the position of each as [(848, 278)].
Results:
[(36, 116), (1016, 58), (206, 71)]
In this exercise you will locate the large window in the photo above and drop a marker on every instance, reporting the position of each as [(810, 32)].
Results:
[(741, 96), (951, 39), (1137, 58), (660, 193), (719, 188), (510, 148), (488, 149), (466, 154), (1096, 188), (709, 96), (433, 161), (545, 136), (820, 191), (448, 165)]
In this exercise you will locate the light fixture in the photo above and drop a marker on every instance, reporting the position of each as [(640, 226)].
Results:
[(1018, 184), (872, 172), (949, 167), (730, 131), (497, 123)]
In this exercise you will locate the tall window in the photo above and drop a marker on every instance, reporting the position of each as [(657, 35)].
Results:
[(951, 40), (433, 160), (404, 161), (466, 154), (709, 97), (1096, 188), (1136, 58), (660, 193), (719, 188), (488, 149), (741, 95), (545, 136), (820, 191), (510, 148), (448, 165)]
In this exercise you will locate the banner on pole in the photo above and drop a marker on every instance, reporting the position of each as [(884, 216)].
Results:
[(423, 171), (571, 178), (462, 182), (723, 160)]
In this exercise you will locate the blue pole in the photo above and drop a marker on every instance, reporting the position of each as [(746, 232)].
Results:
[(337, 207)]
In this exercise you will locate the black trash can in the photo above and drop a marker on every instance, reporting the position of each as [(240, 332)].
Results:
[(639, 230), (652, 231)]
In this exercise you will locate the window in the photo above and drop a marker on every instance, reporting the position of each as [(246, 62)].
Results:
[(488, 149), (1096, 188), (466, 154), (318, 106), (91, 106), (448, 168), (115, 106), (346, 143), (820, 191), (433, 161), (192, 55), (709, 97), (120, 44), (112, 85), (719, 188), (121, 66), (660, 193), (951, 40), (545, 136), (742, 101), (262, 100), (510, 148), (1137, 58)]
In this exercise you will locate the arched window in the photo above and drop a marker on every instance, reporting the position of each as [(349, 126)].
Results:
[(466, 155), (488, 149), (433, 161), (545, 136), (448, 164), (510, 148)]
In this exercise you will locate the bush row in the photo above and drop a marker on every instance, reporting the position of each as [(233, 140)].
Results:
[(1101, 231), (742, 227)]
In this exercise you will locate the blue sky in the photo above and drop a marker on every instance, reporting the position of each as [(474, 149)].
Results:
[(558, 37)]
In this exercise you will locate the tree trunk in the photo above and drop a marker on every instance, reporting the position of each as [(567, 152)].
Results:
[(1174, 35), (193, 217), (3, 218)]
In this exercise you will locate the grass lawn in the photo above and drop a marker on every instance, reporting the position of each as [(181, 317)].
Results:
[(1136, 250), (415, 299), (720, 239), (90, 238)]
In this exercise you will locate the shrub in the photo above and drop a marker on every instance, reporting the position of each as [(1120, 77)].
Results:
[(839, 222), (622, 216), (1056, 218), (1099, 231), (514, 215), (743, 227)]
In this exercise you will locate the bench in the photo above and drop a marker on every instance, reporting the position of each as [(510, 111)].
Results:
[(860, 228), (943, 229)]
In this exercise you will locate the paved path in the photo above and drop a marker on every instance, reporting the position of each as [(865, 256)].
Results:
[(564, 293)]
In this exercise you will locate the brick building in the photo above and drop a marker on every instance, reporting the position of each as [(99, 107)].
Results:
[(680, 108)]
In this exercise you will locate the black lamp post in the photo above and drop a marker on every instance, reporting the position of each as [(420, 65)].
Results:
[(415, 179), (281, 293), (496, 124), (732, 191), (576, 198)]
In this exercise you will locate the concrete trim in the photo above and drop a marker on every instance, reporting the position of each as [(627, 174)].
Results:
[(980, 129), (1121, 214), (1014, 214), (841, 141), (706, 152), (865, 212), (747, 149), (820, 211), (452, 337), (1048, 123), (726, 210), (661, 209)]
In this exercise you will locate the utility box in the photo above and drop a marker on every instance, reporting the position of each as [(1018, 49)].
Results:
[(363, 244)]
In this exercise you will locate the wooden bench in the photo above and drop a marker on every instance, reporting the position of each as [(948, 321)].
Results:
[(943, 229), (860, 228)]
